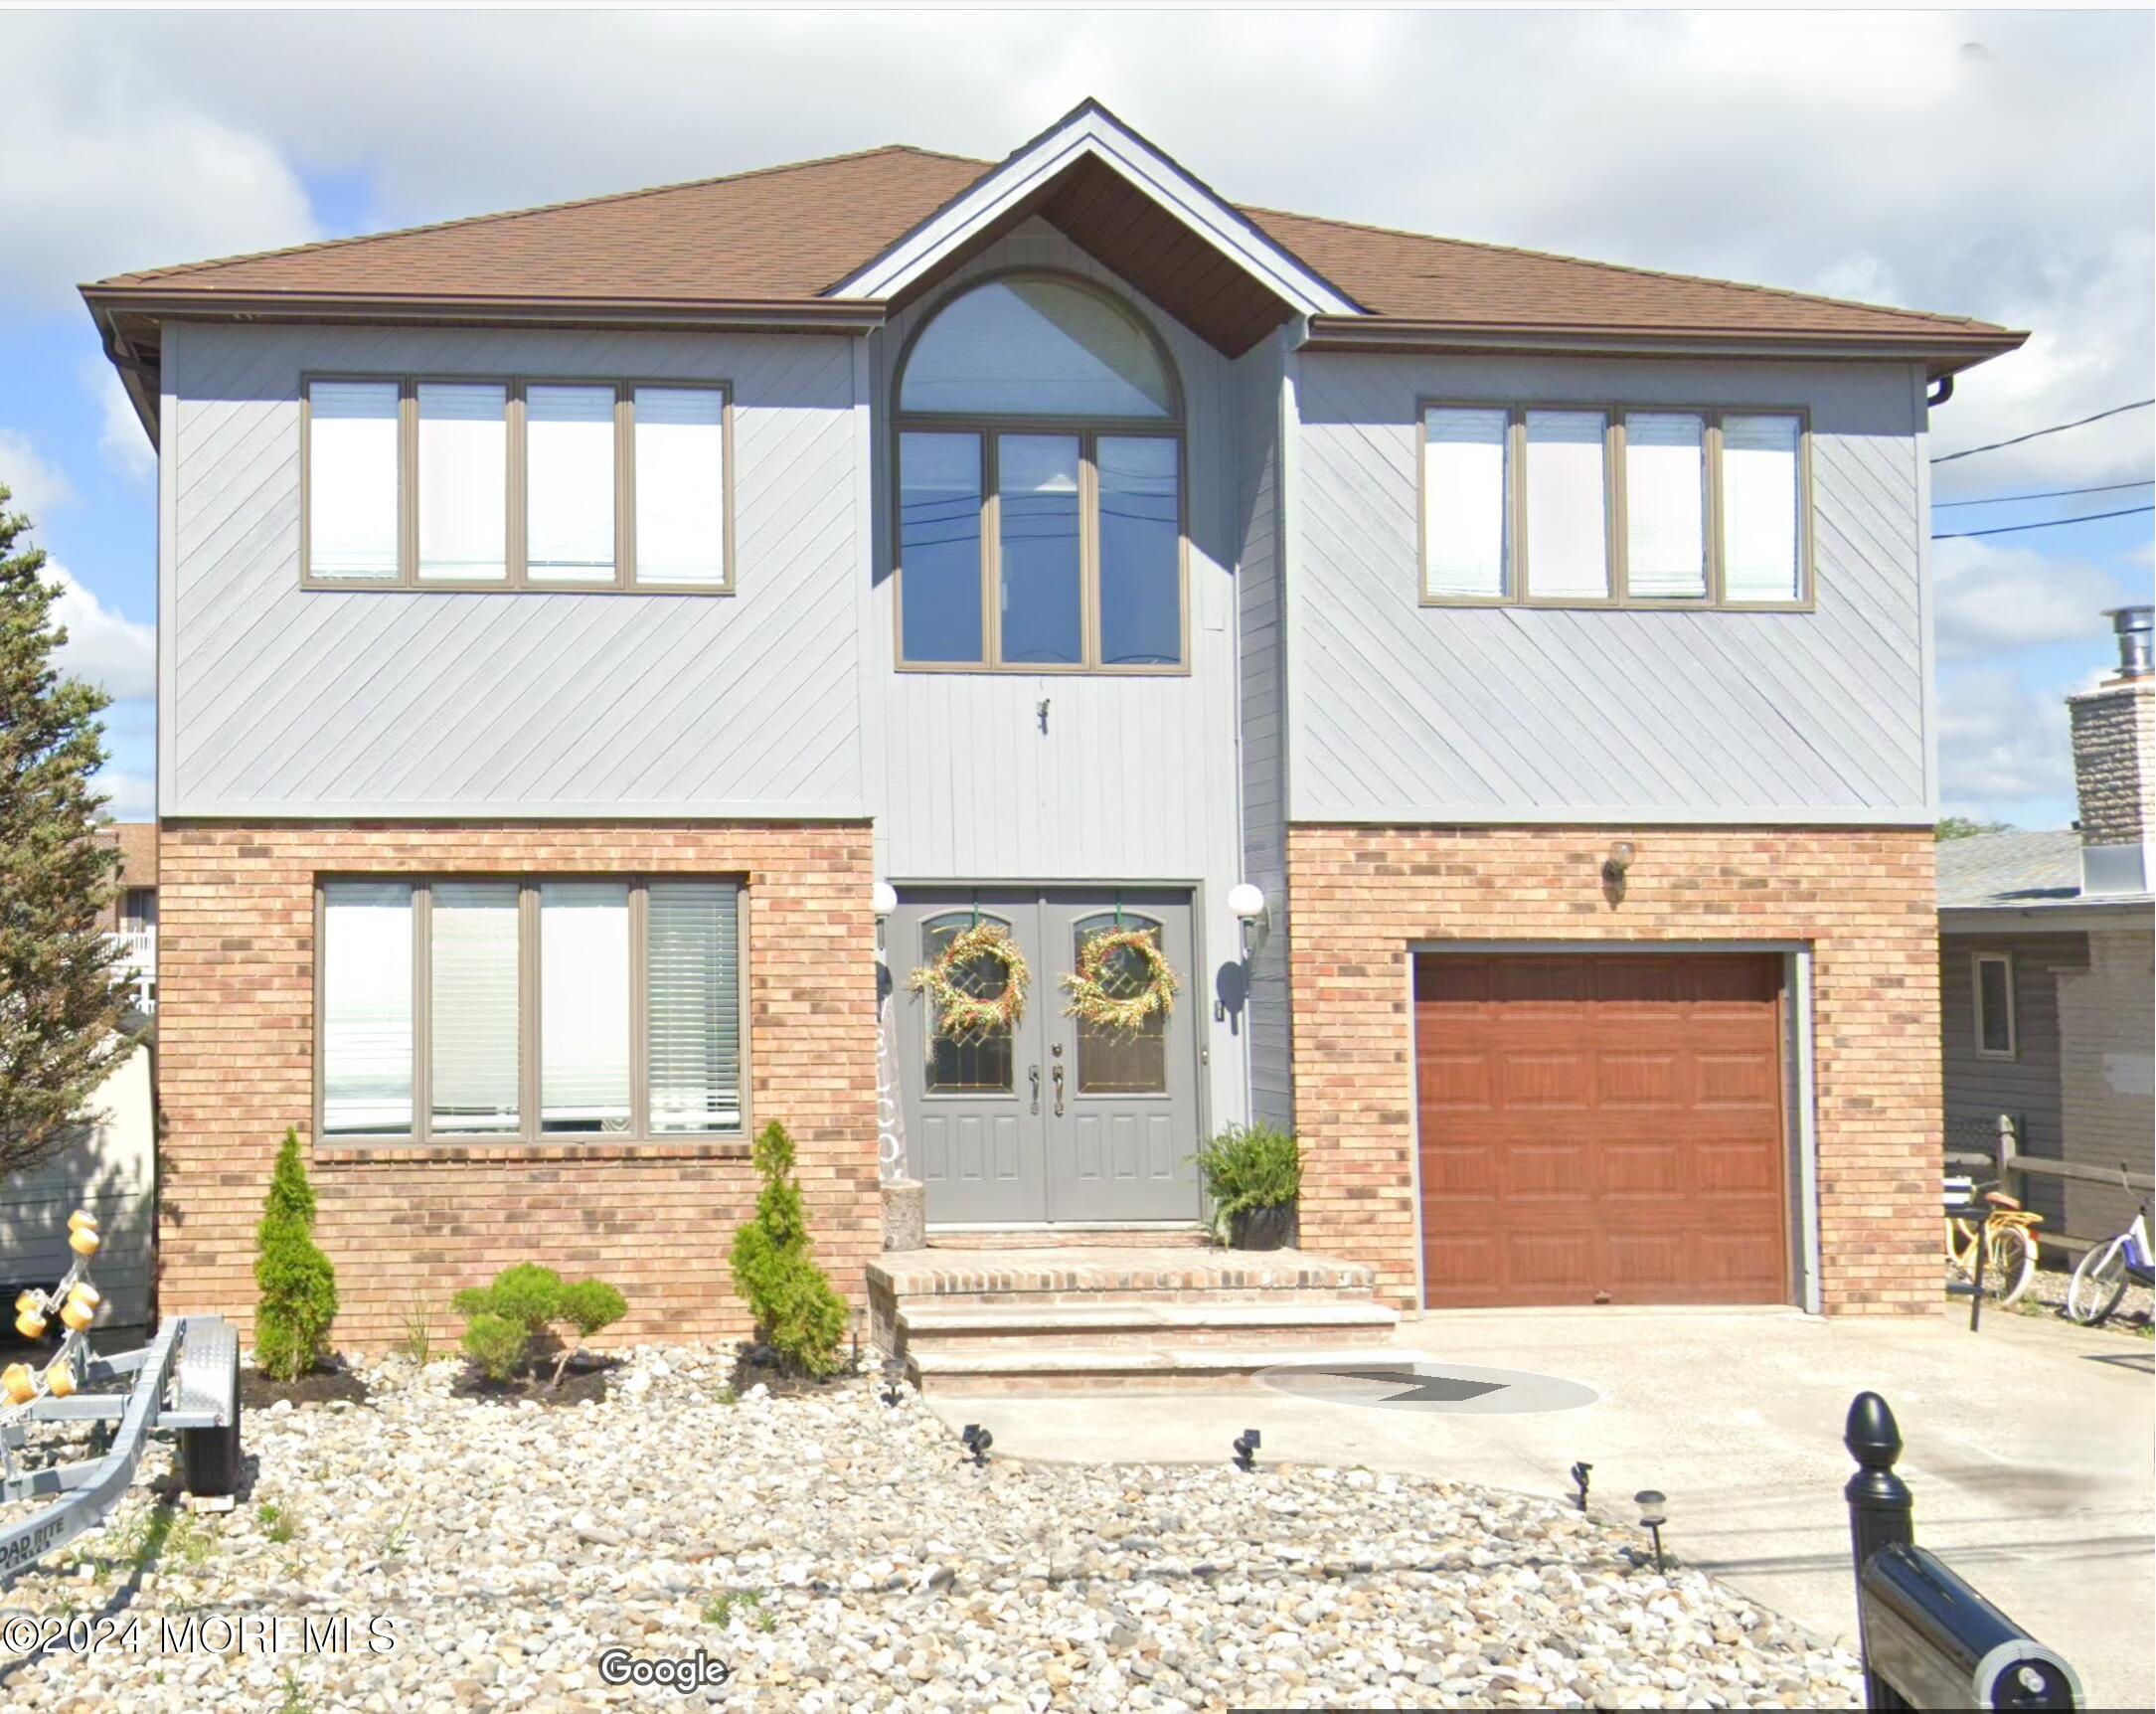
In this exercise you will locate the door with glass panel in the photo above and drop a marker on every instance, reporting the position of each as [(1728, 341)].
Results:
[(1123, 1115), (1050, 1119), (973, 1103)]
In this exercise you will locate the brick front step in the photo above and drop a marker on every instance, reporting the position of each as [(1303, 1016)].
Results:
[(1033, 1319), (1167, 1367)]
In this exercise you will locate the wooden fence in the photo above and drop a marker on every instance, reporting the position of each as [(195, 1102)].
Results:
[(2015, 1169)]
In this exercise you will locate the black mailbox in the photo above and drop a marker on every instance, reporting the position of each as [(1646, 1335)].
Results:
[(1941, 1645)]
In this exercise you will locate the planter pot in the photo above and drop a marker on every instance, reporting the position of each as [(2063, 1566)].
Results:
[(1263, 1228)]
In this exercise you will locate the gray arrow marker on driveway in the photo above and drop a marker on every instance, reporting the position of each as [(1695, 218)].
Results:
[(1419, 1389)]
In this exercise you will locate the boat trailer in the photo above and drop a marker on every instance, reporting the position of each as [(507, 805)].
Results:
[(186, 1380)]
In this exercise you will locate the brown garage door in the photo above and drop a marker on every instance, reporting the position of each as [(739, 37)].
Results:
[(1604, 1127)]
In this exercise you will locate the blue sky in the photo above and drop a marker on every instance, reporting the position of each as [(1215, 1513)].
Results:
[(1991, 164)]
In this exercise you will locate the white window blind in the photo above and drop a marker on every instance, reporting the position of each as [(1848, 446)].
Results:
[(681, 526), (1467, 523), (352, 486), (366, 1007), (1665, 503), (584, 1005), (568, 453), (694, 1006), (473, 991), (463, 482), (1567, 524), (1760, 541)]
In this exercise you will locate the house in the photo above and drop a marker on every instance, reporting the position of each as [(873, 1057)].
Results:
[(608, 649), (2048, 965), (111, 1167)]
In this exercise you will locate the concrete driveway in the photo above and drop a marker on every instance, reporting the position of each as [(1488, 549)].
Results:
[(2030, 1449)]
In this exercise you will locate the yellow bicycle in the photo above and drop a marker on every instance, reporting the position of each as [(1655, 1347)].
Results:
[(2008, 1233)]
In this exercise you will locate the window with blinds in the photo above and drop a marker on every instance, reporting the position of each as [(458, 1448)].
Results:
[(456, 484), (1636, 506), (470, 1009)]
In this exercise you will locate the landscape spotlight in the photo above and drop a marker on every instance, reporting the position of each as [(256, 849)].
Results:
[(1246, 1450), (1581, 1473), (977, 1440), (894, 1379), (1653, 1514)]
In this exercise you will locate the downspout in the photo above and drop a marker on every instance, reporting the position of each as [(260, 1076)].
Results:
[(1941, 389)]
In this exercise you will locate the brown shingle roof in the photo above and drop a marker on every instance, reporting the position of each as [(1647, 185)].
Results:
[(787, 234)]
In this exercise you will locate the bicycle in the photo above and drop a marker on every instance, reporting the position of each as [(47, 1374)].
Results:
[(2101, 1276), (2008, 1236)]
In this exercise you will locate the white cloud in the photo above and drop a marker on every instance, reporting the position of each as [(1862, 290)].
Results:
[(116, 653), (119, 435), (35, 485), (2001, 743), (129, 796), (1993, 598)]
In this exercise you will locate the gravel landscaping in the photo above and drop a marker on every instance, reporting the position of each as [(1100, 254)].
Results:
[(837, 1553)]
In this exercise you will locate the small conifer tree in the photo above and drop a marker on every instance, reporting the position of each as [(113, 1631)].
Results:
[(797, 1313), (298, 1284)]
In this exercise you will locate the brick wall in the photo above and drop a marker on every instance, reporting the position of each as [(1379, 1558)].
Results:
[(2114, 761), (236, 1034), (2108, 1075), (1863, 899)]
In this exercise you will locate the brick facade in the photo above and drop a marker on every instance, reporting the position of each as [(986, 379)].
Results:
[(1863, 899), (236, 1043)]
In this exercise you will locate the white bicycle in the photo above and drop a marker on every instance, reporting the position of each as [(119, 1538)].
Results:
[(2105, 1273)]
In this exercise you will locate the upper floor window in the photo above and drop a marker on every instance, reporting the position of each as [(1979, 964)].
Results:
[(1040, 494), (1614, 506), (463, 484)]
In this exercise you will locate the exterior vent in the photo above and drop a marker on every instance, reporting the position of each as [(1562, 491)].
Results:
[(2134, 627)]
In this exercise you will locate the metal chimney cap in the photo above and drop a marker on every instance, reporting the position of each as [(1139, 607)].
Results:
[(2135, 626)]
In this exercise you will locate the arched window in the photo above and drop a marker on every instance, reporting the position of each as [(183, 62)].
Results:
[(1040, 484)]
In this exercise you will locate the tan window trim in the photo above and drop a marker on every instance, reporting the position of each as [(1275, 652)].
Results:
[(529, 1140), (1519, 570), (518, 581), (2005, 961), (1088, 431)]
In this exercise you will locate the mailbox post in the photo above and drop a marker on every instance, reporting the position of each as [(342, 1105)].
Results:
[(1929, 1639)]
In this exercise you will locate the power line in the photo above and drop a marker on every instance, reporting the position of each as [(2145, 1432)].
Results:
[(2045, 494), (2039, 433), (2047, 524)]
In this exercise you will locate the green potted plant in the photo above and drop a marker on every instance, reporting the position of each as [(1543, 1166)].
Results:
[(1253, 1174)]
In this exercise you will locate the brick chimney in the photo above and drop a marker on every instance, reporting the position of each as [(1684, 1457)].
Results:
[(2114, 764)]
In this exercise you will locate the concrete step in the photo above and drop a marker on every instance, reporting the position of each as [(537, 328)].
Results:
[(1171, 1366), (952, 1324), (1230, 1274)]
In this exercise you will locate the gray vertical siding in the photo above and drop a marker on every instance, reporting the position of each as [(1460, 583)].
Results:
[(1979, 1089), (1408, 713), (1260, 631), (283, 701), (1135, 779)]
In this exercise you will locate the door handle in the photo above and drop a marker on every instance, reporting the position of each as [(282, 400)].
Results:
[(1057, 1075), (1036, 1088)]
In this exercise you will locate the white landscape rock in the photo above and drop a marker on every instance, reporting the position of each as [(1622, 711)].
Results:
[(839, 1555)]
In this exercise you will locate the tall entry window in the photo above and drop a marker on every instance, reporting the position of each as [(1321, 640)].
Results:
[(1040, 499)]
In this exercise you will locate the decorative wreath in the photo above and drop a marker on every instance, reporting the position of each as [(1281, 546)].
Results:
[(959, 1014), (1092, 1002)]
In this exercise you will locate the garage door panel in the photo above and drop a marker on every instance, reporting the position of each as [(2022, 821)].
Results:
[(1601, 1129)]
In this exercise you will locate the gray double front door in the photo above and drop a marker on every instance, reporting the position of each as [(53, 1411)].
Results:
[(1053, 1119)]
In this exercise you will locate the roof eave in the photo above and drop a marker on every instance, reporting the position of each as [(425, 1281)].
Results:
[(1940, 353), (790, 314)]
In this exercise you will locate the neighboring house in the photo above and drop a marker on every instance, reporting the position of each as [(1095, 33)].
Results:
[(572, 621), (2048, 964), (111, 1168)]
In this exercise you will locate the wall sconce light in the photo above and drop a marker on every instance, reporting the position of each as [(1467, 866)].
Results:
[(882, 901), (1247, 904), (1617, 863)]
